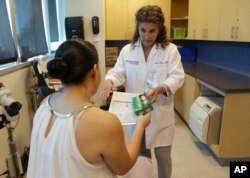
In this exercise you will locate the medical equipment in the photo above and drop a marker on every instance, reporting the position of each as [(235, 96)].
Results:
[(205, 119), (10, 113)]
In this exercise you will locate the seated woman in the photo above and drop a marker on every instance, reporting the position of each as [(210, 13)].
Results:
[(72, 138)]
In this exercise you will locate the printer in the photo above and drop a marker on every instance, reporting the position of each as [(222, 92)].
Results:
[(205, 118)]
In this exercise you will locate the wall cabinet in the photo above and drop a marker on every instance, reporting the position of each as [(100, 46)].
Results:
[(116, 19), (234, 20), (179, 16), (185, 96), (203, 19), (226, 20), (192, 19), (120, 16), (133, 6), (166, 8), (244, 22)]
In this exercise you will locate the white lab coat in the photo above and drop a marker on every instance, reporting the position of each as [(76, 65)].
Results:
[(163, 66)]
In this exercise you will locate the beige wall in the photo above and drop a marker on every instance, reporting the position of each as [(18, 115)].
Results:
[(17, 82)]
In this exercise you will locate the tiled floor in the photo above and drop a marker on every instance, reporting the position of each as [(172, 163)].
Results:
[(191, 159)]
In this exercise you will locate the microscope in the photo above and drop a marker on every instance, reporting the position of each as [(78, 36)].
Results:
[(9, 114)]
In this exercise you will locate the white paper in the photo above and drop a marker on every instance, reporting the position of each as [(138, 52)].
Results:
[(121, 106)]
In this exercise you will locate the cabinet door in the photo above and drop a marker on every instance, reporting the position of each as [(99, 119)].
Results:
[(212, 20), (234, 22), (165, 7), (116, 19), (204, 19), (133, 7), (120, 16), (201, 13), (192, 11), (219, 20), (178, 98), (228, 15), (243, 21), (185, 97), (191, 92)]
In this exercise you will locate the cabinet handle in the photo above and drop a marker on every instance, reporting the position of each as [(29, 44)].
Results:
[(237, 32), (232, 32), (206, 33)]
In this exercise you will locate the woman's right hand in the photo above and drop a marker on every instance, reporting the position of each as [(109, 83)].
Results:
[(107, 89), (144, 120)]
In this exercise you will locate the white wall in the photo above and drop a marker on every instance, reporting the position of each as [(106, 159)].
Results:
[(88, 9)]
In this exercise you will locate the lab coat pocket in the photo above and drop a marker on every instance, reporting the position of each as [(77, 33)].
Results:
[(163, 100), (164, 116)]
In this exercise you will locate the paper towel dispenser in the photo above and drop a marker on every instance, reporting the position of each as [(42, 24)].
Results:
[(205, 119)]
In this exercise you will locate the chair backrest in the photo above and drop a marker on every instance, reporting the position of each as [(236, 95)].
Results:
[(42, 88), (40, 77)]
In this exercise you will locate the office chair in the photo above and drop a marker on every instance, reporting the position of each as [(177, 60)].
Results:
[(42, 88)]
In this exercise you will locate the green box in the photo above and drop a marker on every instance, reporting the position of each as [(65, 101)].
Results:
[(179, 32), (141, 104)]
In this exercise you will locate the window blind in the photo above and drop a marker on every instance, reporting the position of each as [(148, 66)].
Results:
[(30, 28), (7, 48)]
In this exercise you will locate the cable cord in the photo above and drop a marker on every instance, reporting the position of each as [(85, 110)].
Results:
[(16, 123)]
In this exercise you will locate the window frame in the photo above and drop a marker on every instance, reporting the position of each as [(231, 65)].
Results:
[(60, 12), (52, 46)]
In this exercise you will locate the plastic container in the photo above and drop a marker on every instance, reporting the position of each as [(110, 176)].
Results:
[(179, 32), (187, 53)]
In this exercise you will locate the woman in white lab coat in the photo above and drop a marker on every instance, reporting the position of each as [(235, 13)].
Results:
[(151, 64)]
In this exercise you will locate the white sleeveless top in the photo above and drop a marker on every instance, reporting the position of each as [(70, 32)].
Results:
[(57, 155)]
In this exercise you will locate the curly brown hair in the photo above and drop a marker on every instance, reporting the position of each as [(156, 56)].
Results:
[(152, 14)]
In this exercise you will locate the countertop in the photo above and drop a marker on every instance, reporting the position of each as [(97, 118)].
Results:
[(223, 80)]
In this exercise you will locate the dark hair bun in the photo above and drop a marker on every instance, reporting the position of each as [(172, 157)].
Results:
[(57, 68), (74, 58)]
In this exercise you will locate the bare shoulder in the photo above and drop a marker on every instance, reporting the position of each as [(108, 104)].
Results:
[(103, 120), (95, 132)]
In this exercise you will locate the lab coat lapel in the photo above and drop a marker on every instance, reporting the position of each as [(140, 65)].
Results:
[(140, 54), (152, 53)]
